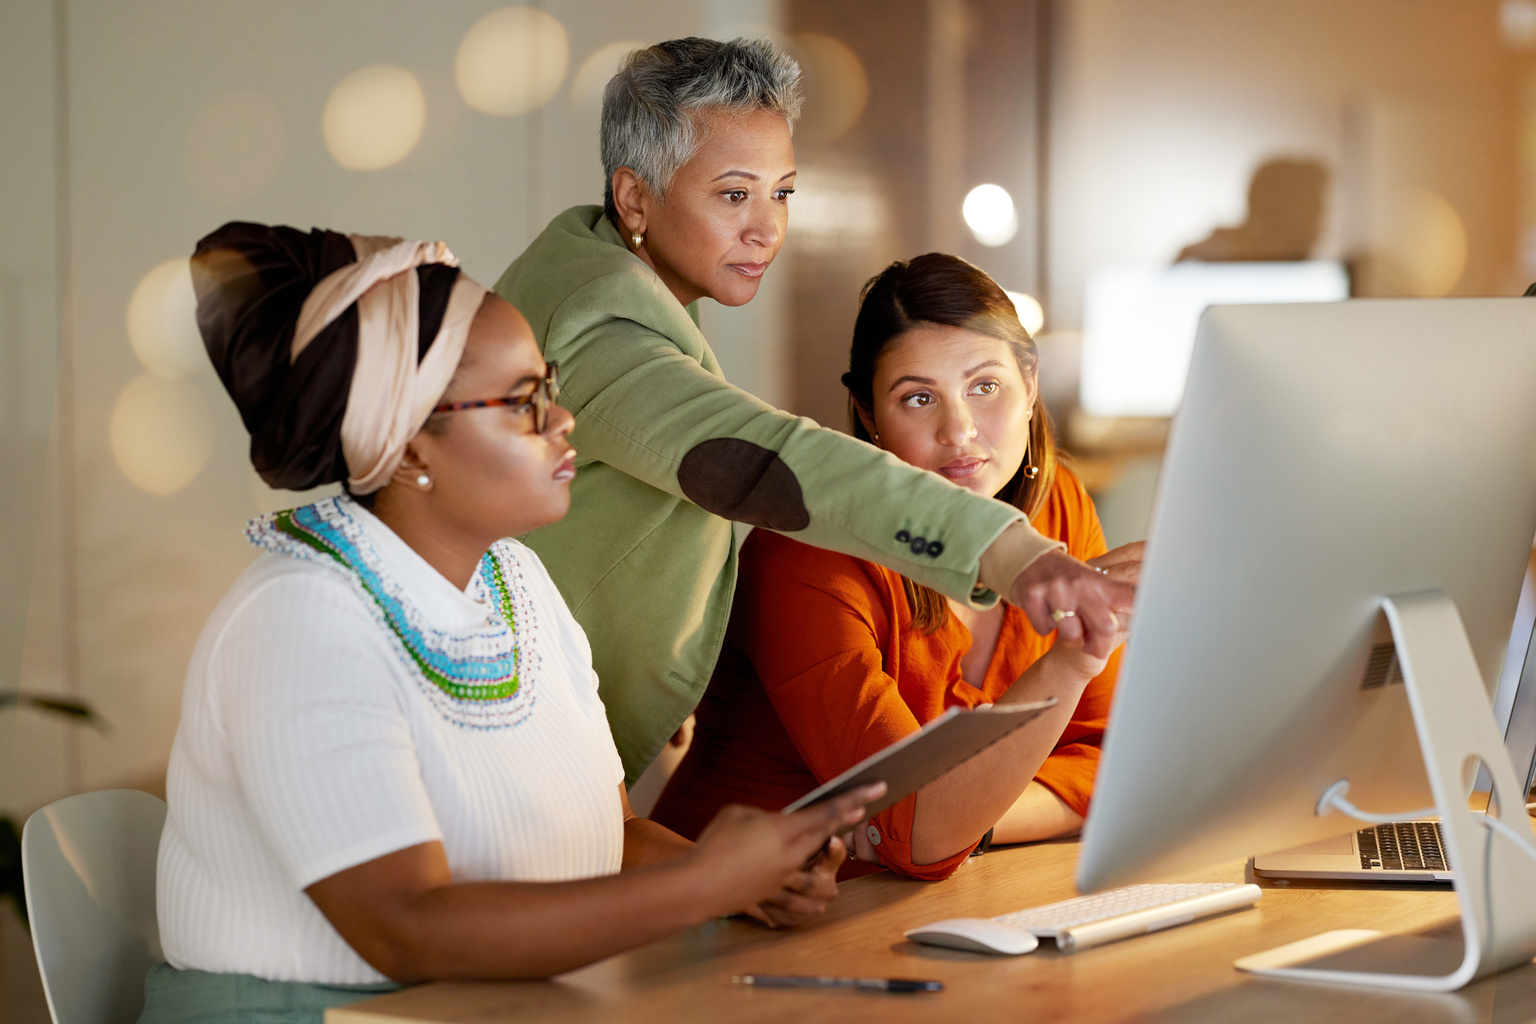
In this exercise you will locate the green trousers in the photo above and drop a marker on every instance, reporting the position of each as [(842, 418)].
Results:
[(197, 997)]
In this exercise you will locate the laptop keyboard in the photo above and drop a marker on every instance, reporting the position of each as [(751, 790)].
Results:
[(1402, 845)]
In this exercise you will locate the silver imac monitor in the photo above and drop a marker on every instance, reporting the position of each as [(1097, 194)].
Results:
[(1342, 523), (1514, 704)]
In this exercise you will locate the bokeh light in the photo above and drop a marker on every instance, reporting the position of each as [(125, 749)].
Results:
[(161, 433), (592, 75), (1517, 23), (512, 61), (162, 321), (374, 117), (1031, 313), (234, 146), (1427, 244), (988, 212), (836, 86)]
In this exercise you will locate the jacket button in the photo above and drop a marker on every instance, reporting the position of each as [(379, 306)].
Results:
[(902, 536), (919, 545), (874, 835), (935, 549)]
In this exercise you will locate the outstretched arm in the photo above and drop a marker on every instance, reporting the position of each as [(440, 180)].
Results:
[(652, 410)]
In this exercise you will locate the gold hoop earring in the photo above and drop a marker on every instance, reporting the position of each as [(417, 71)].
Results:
[(637, 238)]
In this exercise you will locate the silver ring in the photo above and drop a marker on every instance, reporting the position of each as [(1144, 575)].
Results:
[(1057, 614)]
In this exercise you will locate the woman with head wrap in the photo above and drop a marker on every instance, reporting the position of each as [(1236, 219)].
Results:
[(392, 762), (699, 168)]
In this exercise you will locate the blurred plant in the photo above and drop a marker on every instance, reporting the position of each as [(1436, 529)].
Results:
[(78, 710), (81, 713), (10, 866)]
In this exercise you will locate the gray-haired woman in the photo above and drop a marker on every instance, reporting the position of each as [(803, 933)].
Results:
[(699, 169)]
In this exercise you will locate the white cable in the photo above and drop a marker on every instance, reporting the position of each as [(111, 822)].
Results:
[(1333, 797), (1526, 843)]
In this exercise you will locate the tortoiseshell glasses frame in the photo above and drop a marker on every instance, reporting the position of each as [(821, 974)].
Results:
[(544, 396)]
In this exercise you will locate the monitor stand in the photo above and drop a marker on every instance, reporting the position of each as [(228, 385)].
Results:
[(1495, 880)]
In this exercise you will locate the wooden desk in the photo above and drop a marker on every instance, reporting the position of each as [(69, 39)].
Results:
[(1181, 975)]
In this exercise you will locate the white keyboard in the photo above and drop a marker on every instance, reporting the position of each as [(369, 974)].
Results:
[(1135, 910)]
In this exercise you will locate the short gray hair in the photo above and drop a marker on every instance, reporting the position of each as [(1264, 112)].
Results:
[(649, 106)]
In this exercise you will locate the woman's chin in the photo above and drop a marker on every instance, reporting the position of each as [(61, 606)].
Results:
[(545, 513), (736, 289), (559, 505), (982, 484)]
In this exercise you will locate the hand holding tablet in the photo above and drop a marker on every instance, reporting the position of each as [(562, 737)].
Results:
[(912, 762)]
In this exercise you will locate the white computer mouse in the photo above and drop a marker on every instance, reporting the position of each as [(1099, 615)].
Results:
[(975, 935)]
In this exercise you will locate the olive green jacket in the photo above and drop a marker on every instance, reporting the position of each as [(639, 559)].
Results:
[(668, 452)]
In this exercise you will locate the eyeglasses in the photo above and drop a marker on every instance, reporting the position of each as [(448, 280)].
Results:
[(544, 396)]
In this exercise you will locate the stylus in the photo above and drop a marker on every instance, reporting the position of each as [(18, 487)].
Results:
[(812, 981)]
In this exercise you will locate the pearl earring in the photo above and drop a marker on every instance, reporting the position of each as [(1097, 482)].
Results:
[(423, 481), (637, 238)]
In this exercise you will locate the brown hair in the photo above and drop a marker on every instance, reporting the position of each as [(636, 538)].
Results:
[(937, 288)]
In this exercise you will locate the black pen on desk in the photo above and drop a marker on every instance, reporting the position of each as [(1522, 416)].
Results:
[(813, 981)]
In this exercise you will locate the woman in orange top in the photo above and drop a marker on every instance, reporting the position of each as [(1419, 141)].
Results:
[(830, 658)]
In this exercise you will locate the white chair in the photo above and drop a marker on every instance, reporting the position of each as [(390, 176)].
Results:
[(88, 862)]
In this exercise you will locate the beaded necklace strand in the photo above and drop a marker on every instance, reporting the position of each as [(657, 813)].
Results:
[(476, 677)]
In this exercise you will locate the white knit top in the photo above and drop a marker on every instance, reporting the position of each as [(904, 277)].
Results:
[(333, 715)]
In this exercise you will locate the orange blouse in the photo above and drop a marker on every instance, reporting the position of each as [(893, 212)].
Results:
[(821, 668)]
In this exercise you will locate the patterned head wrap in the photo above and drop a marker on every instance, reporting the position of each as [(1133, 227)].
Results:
[(334, 347)]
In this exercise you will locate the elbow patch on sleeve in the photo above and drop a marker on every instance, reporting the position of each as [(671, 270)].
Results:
[(745, 482)]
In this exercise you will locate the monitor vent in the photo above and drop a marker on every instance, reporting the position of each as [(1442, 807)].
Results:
[(1382, 669)]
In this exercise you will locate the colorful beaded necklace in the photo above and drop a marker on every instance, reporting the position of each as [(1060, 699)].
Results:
[(475, 677)]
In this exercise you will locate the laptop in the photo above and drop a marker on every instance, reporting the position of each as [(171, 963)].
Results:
[(1411, 851)]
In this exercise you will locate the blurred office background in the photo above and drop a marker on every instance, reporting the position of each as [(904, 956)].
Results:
[(1056, 143)]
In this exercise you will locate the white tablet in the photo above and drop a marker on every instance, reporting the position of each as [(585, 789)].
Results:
[(912, 762)]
